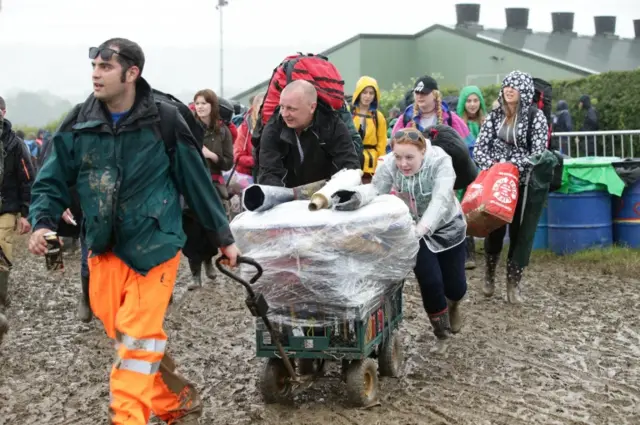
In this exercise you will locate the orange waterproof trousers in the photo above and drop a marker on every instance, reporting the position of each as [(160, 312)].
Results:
[(132, 309)]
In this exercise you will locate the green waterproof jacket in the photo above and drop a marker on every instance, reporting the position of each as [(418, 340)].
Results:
[(128, 181)]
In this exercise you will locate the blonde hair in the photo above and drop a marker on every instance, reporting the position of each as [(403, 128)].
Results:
[(255, 109), (437, 97)]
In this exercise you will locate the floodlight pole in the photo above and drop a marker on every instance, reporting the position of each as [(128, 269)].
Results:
[(221, 4)]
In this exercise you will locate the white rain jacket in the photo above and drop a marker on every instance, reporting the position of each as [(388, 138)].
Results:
[(429, 195)]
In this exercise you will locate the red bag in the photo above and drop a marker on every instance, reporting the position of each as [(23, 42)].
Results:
[(314, 68), (490, 201)]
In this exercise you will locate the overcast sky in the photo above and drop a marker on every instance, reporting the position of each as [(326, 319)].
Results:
[(272, 27)]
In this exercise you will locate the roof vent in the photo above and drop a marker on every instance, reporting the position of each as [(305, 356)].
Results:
[(517, 18), (636, 28), (468, 15), (562, 22), (605, 26)]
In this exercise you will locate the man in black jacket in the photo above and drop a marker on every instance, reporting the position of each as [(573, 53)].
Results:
[(16, 176), (305, 142)]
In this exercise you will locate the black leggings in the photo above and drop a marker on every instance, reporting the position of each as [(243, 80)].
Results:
[(494, 242), (440, 276)]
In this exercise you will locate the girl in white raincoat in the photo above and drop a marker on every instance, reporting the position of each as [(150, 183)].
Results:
[(423, 176)]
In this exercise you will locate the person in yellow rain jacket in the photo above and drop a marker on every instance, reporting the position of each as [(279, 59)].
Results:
[(370, 123)]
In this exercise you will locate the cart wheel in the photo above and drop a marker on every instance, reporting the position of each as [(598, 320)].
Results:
[(273, 385), (391, 356), (362, 382)]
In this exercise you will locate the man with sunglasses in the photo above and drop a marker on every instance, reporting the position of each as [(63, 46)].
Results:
[(128, 178)]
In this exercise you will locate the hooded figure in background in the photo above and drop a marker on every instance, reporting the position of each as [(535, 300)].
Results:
[(370, 123), (472, 109), (590, 124), (562, 122)]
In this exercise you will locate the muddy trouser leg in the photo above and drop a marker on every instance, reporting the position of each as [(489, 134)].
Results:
[(196, 273), (209, 270), (514, 271), (429, 275), (4, 284), (84, 304), (173, 396), (470, 245), (7, 228), (452, 266), (492, 247)]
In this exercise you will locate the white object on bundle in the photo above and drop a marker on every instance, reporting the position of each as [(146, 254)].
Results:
[(343, 179), (352, 199)]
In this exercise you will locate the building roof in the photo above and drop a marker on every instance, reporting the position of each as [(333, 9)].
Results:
[(600, 53), (584, 55)]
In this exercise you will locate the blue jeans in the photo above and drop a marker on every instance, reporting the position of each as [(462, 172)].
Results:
[(84, 262), (441, 276)]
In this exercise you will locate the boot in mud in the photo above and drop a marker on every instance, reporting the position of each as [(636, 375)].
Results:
[(4, 324), (4, 289), (455, 316), (4, 303), (209, 270), (491, 262), (84, 308), (470, 262), (514, 277), (196, 275), (442, 330)]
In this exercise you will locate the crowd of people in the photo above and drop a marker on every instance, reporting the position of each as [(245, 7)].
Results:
[(138, 192)]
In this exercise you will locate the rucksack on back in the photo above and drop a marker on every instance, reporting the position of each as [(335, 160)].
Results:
[(542, 96), (226, 110), (196, 128), (313, 68)]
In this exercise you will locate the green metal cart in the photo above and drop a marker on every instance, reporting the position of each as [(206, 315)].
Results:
[(295, 357)]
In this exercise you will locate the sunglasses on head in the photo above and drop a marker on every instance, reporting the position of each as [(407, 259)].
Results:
[(413, 135), (106, 54)]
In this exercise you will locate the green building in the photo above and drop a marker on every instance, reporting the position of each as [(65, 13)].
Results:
[(467, 53)]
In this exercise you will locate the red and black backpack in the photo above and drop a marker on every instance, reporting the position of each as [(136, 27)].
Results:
[(310, 67), (542, 96)]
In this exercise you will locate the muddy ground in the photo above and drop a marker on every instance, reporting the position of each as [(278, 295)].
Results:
[(571, 355)]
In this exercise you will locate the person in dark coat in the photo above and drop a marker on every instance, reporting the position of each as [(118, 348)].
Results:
[(562, 123), (590, 123), (304, 143)]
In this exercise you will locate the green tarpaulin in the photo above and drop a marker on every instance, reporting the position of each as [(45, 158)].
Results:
[(591, 173)]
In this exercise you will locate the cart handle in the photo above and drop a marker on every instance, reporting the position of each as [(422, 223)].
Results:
[(240, 260)]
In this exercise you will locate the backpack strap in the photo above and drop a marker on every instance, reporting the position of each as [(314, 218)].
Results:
[(168, 118)]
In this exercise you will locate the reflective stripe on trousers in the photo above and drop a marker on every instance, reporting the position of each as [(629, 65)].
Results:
[(132, 308)]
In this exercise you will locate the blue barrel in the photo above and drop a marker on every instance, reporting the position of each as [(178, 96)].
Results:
[(626, 217), (541, 238), (579, 221)]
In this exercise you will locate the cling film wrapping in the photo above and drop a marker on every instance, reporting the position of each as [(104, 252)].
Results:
[(327, 268)]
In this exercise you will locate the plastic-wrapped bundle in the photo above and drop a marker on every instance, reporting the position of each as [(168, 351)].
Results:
[(327, 265)]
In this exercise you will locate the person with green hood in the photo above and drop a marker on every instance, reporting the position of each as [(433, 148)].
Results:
[(473, 110)]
